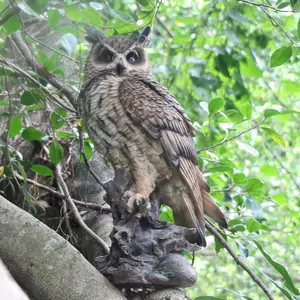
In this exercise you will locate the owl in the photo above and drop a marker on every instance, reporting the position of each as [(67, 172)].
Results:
[(138, 125)]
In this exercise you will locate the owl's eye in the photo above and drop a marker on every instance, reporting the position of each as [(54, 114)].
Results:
[(105, 56), (133, 57)]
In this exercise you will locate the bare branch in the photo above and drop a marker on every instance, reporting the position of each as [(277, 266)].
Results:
[(50, 96), (260, 5), (61, 87), (283, 166), (62, 196), (211, 228), (61, 183), (232, 138)]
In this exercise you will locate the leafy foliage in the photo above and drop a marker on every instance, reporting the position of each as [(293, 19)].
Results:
[(233, 65)]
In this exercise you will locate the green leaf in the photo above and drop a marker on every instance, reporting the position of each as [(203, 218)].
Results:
[(56, 152), (239, 177), (243, 250), (269, 170), (12, 24), (49, 65), (31, 97), (15, 126), (280, 56), (254, 206), (32, 134), (246, 110), (298, 28), (215, 105), (57, 118), (254, 184), (73, 12), (253, 225), (274, 135), (166, 213), (280, 269), (88, 150), (69, 42), (53, 17), (248, 148), (42, 170), (219, 168), (273, 112)]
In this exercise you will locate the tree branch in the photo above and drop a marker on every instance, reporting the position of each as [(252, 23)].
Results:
[(45, 264), (283, 166), (232, 138), (61, 183), (211, 228), (62, 196), (260, 5), (26, 52), (49, 95)]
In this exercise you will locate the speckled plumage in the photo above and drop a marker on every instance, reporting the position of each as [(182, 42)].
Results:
[(137, 124)]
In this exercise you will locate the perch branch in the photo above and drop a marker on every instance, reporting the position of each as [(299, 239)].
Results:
[(63, 186), (62, 196), (232, 138), (26, 52), (211, 228)]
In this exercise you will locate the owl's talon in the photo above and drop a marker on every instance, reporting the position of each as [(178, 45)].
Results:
[(137, 202)]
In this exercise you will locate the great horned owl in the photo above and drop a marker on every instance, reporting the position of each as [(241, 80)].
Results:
[(138, 125)]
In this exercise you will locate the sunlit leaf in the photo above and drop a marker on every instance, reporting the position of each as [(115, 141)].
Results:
[(253, 225), (215, 105), (248, 148), (274, 135), (280, 269), (280, 56)]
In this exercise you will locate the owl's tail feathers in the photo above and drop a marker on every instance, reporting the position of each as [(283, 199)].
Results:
[(210, 207), (193, 200), (212, 210)]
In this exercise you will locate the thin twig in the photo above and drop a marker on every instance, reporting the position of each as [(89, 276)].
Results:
[(54, 50), (232, 138), (63, 185), (275, 23), (269, 7), (62, 196), (283, 166), (211, 228), (49, 95)]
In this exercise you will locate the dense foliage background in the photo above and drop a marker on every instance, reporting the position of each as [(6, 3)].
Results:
[(234, 67)]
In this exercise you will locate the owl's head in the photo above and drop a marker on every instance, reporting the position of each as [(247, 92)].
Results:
[(117, 55)]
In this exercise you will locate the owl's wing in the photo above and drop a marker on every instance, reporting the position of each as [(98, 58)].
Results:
[(161, 116)]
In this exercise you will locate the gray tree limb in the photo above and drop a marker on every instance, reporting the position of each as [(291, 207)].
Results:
[(46, 265)]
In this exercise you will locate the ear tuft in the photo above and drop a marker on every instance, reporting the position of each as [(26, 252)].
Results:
[(143, 38), (94, 35)]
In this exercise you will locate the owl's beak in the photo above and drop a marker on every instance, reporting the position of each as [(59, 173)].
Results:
[(120, 69)]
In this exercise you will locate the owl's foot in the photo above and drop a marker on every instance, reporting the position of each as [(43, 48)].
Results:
[(136, 203)]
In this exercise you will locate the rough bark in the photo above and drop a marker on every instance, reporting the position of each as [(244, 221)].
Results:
[(46, 265)]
